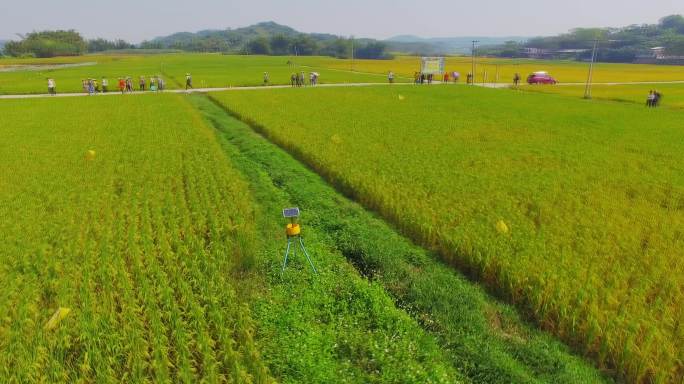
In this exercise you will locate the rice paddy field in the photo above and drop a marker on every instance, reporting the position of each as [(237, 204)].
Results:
[(673, 94), (208, 70), (113, 219), (575, 214), (139, 245), (563, 71), (215, 70), (461, 234)]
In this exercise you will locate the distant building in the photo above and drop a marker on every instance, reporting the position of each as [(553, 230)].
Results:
[(658, 55), (536, 53), (542, 53)]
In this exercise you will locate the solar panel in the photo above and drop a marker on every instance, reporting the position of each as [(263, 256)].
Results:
[(291, 212)]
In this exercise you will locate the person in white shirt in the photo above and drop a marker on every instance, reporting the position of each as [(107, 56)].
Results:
[(105, 84), (51, 87), (390, 77)]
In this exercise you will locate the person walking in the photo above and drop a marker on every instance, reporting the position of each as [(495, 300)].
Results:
[(446, 77), (122, 85), (188, 81), (161, 83), (91, 87), (656, 98), (52, 90), (516, 79), (141, 83), (153, 84), (105, 85), (456, 76), (129, 84), (302, 79), (390, 77), (293, 80), (266, 79)]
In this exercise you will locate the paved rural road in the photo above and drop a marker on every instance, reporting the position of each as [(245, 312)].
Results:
[(198, 90), (264, 88)]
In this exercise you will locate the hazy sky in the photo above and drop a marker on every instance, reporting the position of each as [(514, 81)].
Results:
[(136, 20)]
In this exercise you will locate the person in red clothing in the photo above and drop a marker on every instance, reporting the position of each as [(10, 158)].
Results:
[(122, 85), (446, 77)]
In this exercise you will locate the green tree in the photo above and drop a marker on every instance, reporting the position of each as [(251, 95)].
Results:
[(258, 46), (49, 44), (305, 45), (372, 50), (280, 44), (675, 22)]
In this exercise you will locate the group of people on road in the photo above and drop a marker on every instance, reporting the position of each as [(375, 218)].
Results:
[(428, 78), (653, 99), (299, 79), (423, 78), (125, 84)]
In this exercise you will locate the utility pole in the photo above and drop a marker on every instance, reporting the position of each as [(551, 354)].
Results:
[(474, 65), (352, 53), (587, 89)]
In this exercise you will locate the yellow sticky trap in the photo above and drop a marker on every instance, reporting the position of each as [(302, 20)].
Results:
[(501, 227), (56, 318)]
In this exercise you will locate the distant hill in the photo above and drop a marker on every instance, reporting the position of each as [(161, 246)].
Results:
[(236, 37), (269, 38), (447, 45)]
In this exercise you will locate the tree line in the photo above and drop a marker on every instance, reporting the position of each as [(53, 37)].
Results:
[(59, 43), (245, 41), (615, 44)]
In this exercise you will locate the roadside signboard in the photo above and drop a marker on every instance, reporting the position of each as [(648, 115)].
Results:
[(432, 65)]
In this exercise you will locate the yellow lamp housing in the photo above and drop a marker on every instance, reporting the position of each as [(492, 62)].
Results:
[(293, 229)]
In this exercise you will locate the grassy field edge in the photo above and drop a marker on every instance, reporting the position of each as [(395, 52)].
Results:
[(485, 339)]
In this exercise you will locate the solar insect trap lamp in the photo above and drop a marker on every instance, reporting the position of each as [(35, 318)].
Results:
[(294, 235)]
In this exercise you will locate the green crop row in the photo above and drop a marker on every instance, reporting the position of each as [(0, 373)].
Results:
[(572, 210)]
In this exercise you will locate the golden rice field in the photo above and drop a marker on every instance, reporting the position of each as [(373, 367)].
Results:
[(563, 71), (673, 94), (572, 210), (135, 233)]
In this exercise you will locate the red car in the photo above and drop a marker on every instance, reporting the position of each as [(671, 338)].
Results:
[(540, 78)]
